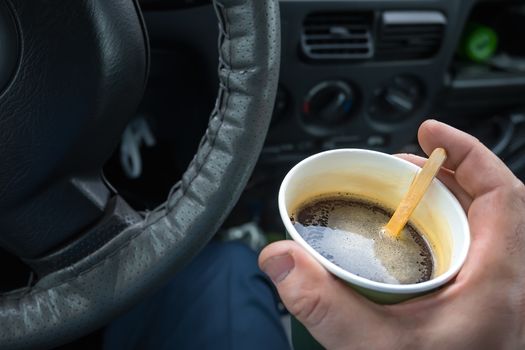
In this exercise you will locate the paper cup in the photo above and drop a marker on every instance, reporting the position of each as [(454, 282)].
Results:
[(383, 179)]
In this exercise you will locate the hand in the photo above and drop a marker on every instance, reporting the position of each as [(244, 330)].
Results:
[(483, 308)]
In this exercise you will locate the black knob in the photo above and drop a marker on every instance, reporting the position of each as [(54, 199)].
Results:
[(328, 104), (397, 100)]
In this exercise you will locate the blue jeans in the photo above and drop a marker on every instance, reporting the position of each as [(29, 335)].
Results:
[(221, 300)]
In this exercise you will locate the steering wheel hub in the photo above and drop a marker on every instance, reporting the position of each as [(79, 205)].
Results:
[(9, 49), (80, 78)]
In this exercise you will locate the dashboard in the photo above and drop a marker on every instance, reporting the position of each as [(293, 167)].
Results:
[(354, 73)]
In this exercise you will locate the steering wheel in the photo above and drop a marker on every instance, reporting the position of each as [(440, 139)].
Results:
[(71, 75)]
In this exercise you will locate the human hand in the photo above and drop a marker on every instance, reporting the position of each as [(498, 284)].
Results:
[(482, 308)]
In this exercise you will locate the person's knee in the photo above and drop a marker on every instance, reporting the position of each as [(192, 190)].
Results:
[(239, 259)]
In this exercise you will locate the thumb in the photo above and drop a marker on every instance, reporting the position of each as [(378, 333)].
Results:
[(333, 313)]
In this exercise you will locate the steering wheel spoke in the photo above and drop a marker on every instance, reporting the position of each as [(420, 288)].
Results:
[(171, 4)]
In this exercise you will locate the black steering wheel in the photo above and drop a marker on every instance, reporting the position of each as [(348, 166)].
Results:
[(71, 75)]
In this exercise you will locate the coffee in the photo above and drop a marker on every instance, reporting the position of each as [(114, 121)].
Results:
[(348, 232)]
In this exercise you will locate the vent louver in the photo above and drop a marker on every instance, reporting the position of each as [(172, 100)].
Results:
[(337, 35), (410, 35)]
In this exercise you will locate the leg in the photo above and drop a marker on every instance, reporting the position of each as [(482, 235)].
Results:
[(221, 300)]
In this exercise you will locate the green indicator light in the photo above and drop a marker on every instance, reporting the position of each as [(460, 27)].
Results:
[(479, 43)]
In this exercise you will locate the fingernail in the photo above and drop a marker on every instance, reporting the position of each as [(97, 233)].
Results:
[(278, 267)]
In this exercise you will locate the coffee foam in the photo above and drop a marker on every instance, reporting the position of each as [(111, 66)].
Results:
[(372, 184), (347, 232)]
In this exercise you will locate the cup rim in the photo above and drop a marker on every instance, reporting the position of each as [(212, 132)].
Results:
[(361, 281)]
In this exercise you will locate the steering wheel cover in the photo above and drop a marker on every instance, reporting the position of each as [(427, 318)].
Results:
[(81, 297)]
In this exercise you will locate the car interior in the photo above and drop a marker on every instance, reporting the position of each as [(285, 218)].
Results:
[(353, 74)]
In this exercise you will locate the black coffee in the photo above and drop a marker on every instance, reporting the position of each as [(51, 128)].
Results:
[(348, 232)]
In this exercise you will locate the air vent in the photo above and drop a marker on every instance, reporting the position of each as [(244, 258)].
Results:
[(337, 35), (410, 35)]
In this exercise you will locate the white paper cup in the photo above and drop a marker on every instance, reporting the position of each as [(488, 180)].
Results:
[(383, 179)]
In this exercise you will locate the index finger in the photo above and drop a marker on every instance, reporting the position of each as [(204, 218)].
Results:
[(476, 168)]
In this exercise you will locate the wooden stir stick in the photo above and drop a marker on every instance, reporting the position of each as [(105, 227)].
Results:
[(415, 192)]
